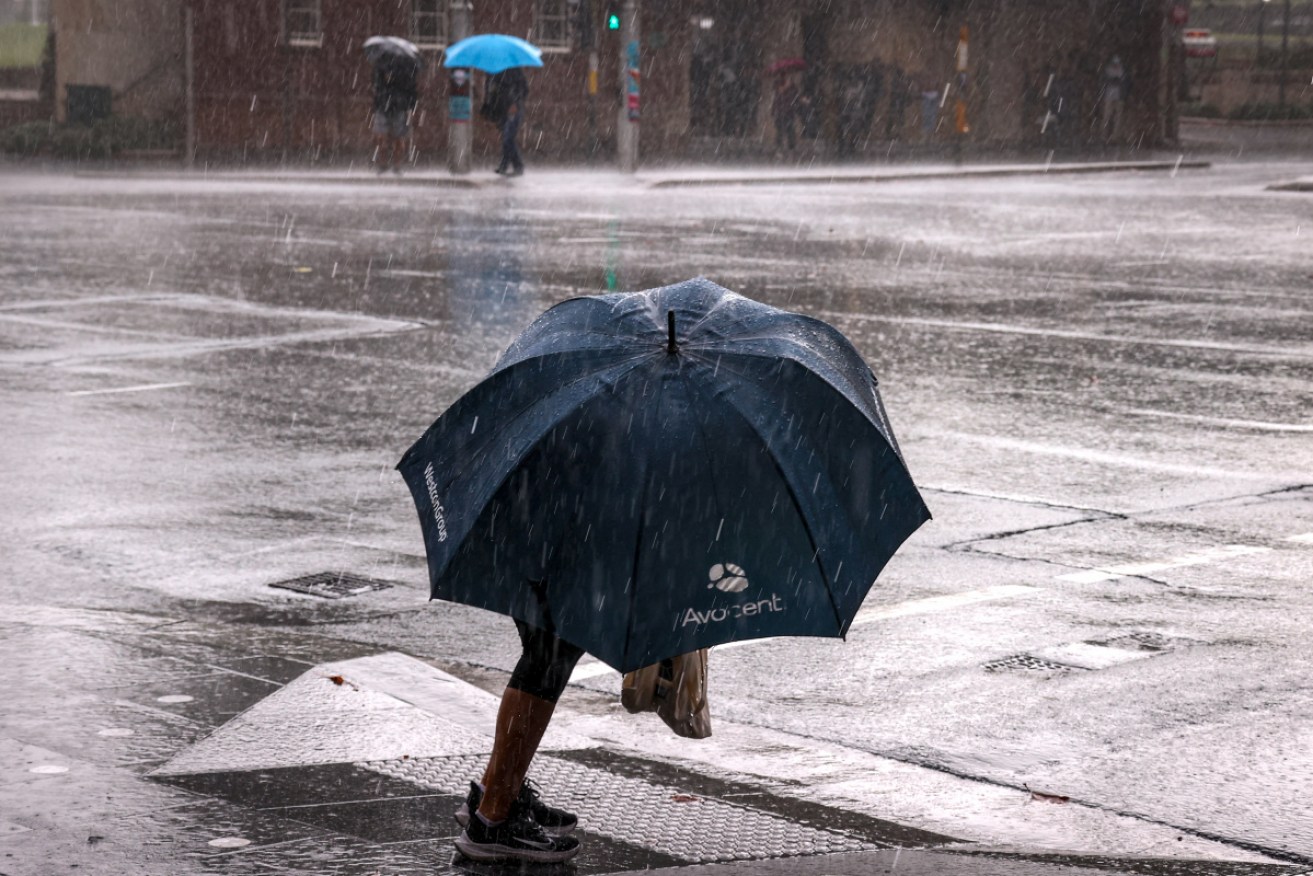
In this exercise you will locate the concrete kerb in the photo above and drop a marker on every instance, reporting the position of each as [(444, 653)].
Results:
[(663, 180), (839, 177), (1299, 185)]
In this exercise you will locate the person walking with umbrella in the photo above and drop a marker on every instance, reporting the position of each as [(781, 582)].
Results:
[(501, 57), (397, 63), (643, 475), (504, 105)]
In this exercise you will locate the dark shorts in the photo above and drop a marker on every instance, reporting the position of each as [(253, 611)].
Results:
[(545, 665), (392, 123)]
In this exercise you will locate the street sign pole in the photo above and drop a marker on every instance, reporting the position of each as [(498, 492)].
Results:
[(1285, 55), (460, 92), (626, 133)]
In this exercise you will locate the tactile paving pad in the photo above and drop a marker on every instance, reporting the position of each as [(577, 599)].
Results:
[(692, 828)]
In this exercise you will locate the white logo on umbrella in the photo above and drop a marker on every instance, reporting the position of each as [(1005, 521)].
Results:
[(729, 578)]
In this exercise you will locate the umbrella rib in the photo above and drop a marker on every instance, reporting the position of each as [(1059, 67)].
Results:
[(629, 365), (493, 434), (793, 497), (708, 349), (633, 572)]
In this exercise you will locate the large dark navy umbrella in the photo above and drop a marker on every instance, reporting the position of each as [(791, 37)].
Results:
[(645, 492)]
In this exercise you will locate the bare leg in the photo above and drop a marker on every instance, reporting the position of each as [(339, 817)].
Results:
[(398, 151), (521, 722)]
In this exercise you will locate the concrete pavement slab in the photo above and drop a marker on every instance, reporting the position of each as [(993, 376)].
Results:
[(917, 862)]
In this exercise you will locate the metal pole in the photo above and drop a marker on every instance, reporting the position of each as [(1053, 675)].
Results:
[(189, 62), (460, 134), (1175, 63), (1262, 13), (626, 132), (1285, 55)]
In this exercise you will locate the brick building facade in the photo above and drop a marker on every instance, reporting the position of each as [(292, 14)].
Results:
[(286, 79)]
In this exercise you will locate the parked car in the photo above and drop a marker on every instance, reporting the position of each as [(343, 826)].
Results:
[(1199, 43)]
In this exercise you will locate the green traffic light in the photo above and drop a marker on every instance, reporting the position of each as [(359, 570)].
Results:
[(613, 22)]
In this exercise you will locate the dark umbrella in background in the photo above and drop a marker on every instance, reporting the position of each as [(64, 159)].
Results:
[(786, 65), (654, 472), (392, 49)]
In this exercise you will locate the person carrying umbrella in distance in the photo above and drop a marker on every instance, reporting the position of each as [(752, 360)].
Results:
[(502, 57), (397, 64), (643, 475)]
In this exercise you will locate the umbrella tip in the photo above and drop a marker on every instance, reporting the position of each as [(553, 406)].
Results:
[(671, 346)]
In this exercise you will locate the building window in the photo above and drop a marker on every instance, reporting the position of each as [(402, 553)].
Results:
[(428, 23), (302, 22), (553, 24)]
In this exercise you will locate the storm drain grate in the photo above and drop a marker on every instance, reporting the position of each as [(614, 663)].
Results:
[(691, 828), (1142, 641), (332, 585), (1028, 663)]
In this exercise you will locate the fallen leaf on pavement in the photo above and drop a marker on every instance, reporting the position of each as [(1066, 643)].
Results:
[(1047, 798), (684, 798)]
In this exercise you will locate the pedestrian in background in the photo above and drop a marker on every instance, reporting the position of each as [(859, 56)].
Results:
[(900, 95), (929, 107), (396, 94), (503, 104), (1114, 91), (784, 110)]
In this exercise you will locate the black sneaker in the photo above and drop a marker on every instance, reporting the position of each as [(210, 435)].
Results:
[(518, 838), (555, 822)]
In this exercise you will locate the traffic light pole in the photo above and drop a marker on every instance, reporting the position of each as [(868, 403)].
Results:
[(460, 94), (1285, 55), (626, 132)]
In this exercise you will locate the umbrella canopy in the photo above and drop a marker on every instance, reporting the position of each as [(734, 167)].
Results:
[(493, 53), (787, 65), (381, 49), (654, 472)]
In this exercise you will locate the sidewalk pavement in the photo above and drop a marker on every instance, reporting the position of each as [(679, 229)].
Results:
[(666, 177), (152, 745)]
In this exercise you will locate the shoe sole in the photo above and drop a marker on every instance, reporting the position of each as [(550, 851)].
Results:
[(495, 852), (462, 817)]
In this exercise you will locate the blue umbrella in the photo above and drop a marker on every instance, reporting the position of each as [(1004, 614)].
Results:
[(650, 473), (493, 53)]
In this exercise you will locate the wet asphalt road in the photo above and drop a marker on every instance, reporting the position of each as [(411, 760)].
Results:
[(206, 384)]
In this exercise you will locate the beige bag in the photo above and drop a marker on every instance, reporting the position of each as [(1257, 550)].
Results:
[(676, 689)]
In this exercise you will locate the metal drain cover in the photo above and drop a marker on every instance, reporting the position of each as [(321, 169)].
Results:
[(1028, 663), (1144, 641), (332, 585), (690, 828)]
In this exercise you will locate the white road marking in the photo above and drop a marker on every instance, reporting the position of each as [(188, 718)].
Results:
[(1005, 328), (938, 603), (144, 387), (397, 272), (1210, 555), (1256, 425), (866, 616), (1302, 538), (1115, 459)]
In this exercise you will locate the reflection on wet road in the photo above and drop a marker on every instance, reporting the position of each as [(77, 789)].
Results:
[(1103, 385)]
